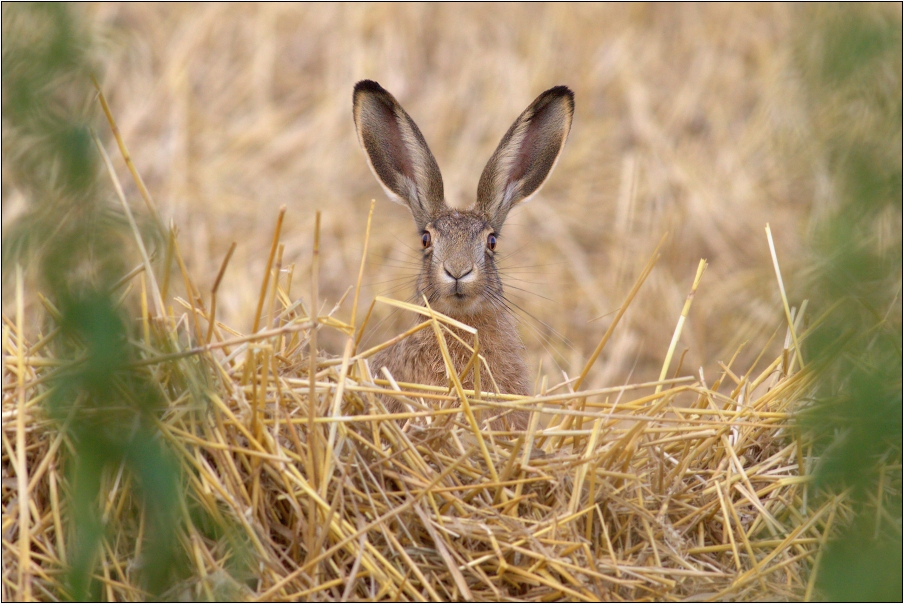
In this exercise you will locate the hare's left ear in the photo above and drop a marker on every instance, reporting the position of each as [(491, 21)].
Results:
[(525, 155), (397, 152)]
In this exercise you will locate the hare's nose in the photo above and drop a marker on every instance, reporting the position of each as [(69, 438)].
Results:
[(458, 271)]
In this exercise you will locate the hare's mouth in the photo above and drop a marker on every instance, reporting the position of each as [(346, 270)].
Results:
[(457, 300), (460, 295), (459, 289), (462, 292)]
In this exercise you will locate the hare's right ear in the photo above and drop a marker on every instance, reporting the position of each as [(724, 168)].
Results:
[(526, 155), (397, 152)]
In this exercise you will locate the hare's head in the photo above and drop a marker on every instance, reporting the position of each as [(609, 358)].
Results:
[(459, 275)]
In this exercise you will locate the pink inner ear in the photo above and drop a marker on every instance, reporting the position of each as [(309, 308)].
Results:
[(537, 150), (393, 144), (527, 152)]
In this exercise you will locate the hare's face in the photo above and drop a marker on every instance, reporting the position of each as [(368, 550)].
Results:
[(459, 274)]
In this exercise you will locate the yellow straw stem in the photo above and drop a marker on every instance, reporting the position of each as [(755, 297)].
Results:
[(21, 448), (684, 313), (781, 287)]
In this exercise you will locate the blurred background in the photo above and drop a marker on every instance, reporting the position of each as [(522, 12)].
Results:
[(689, 120), (703, 121)]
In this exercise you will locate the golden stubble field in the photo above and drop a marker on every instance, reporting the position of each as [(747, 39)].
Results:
[(687, 121)]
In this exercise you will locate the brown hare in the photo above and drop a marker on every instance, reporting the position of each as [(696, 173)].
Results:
[(458, 275)]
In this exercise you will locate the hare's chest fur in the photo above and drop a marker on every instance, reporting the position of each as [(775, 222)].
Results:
[(419, 359)]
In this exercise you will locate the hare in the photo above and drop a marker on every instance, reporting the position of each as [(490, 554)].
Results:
[(458, 275)]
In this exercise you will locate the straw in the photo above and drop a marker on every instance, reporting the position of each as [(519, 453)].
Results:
[(660, 501)]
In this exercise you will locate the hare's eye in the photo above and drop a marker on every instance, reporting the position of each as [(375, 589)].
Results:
[(491, 241), (425, 239)]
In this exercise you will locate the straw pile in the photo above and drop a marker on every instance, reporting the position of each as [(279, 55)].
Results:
[(679, 488)]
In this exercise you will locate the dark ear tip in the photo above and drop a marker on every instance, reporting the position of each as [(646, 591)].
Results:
[(556, 94), (368, 86), (561, 92)]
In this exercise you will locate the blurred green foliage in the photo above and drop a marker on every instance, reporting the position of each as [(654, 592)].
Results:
[(851, 60), (74, 238)]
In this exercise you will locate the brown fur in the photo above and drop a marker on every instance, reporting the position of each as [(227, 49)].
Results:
[(458, 275), (418, 360)]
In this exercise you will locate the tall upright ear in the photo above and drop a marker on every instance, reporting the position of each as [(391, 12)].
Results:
[(525, 155), (397, 152)]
